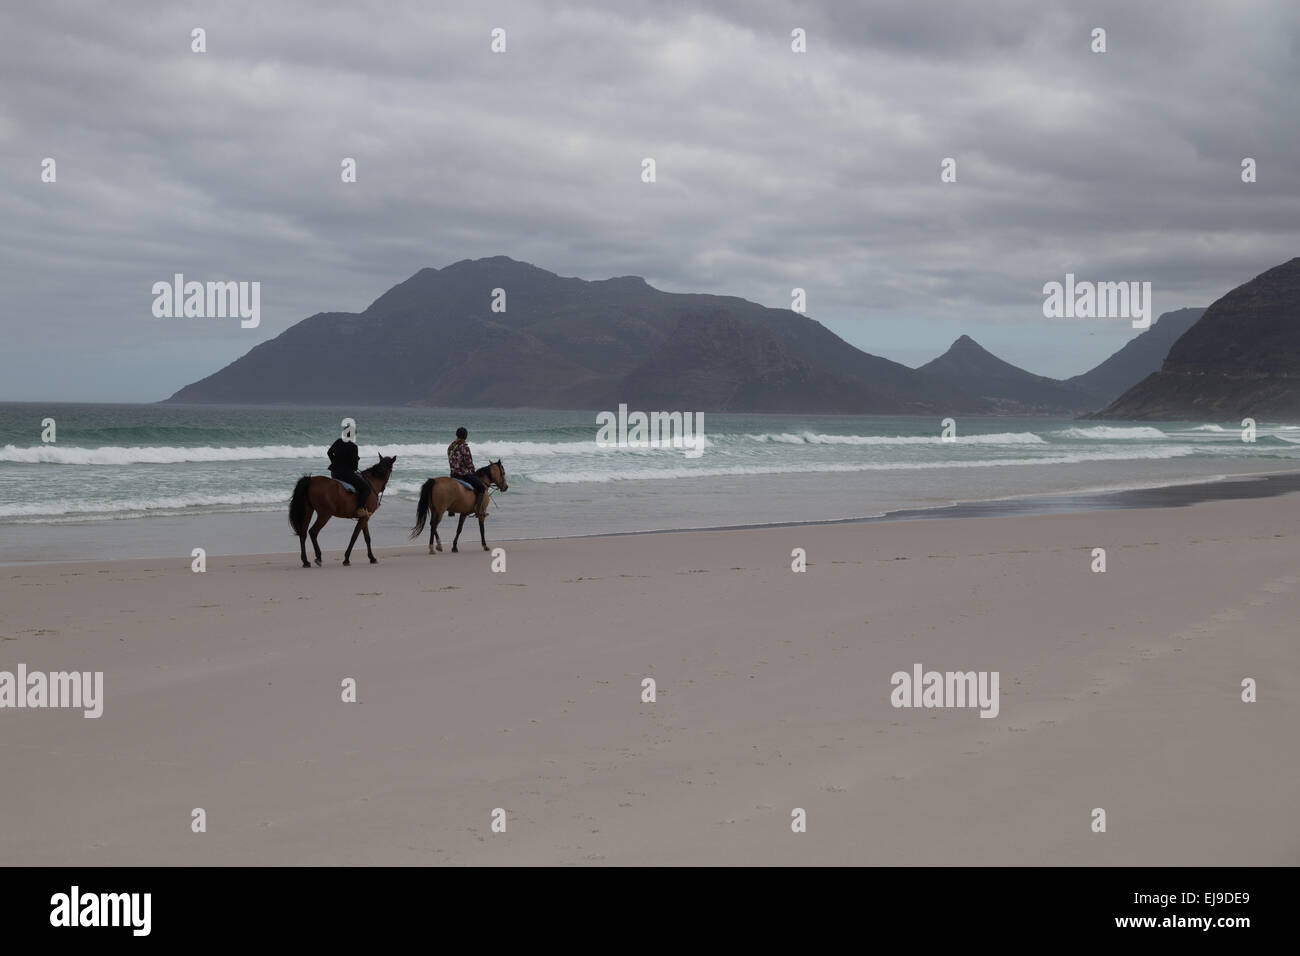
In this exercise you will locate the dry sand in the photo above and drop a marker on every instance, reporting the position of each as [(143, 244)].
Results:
[(523, 690)]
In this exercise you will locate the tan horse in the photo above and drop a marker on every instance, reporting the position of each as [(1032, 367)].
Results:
[(328, 499), (448, 496)]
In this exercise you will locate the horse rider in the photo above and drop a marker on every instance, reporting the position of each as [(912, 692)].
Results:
[(462, 466), (345, 462)]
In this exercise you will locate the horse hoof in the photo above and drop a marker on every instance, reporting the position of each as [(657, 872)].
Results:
[(439, 548), (347, 563), (318, 562), (374, 560), (486, 548), (306, 565), (453, 550)]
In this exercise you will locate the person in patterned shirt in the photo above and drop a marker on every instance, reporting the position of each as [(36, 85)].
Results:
[(462, 465)]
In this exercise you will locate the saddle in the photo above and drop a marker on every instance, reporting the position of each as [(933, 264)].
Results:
[(463, 482), (350, 489)]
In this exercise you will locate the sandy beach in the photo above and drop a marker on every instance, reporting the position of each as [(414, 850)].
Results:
[(523, 690)]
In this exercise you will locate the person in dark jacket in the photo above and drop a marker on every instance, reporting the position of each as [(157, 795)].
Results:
[(461, 463), (345, 460)]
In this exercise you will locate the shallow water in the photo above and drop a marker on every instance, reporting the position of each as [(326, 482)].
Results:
[(145, 480)]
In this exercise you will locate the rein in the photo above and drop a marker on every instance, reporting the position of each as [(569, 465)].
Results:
[(379, 495), (489, 488)]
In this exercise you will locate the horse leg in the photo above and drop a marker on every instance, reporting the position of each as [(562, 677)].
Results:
[(457, 538), (365, 529), (302, 538), (438, 510), (321, 518), (347, 555), (482, 536)]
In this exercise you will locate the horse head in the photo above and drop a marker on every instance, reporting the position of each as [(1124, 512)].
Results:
[(383, 469)]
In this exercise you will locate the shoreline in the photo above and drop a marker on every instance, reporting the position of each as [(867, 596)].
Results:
[(1177, 495), (1226, 487)]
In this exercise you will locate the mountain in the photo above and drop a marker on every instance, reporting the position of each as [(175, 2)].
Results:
[(1142, 355), (1241, 359), (570, 343), (970, 368)]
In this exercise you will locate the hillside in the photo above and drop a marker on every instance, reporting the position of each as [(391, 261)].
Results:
[(1240, 359)]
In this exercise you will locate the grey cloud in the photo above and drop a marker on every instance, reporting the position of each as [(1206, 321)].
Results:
[(775, 170)]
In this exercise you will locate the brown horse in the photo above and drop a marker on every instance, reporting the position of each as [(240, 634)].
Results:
[(329, 499), (448, 496)]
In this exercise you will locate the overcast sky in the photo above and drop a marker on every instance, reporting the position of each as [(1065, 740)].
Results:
[(775, 169)]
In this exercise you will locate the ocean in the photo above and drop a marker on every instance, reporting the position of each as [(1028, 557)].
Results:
[(158, 480)]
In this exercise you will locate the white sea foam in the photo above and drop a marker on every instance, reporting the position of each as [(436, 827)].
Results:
[(138, 506), (674, 472), (152, 455), (172, 454), (811, 438), (1112, 432)]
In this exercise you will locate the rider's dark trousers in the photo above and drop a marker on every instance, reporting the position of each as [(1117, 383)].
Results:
[(354, 479), (477, 482)]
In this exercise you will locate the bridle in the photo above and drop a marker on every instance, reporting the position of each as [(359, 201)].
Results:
[(491, 482), (379, 495)]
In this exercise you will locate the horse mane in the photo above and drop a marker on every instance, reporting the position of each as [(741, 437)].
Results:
[(481, 472)]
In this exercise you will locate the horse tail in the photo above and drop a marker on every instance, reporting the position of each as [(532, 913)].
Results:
[(422, 509), (298, 506)]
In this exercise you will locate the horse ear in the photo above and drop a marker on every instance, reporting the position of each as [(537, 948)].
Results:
[(381, 456)]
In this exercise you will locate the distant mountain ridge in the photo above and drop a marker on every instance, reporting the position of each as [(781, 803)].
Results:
[(571, 343), (973, 369), (1142, 355)]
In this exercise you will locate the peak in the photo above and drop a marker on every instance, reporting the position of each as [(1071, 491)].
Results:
[(966, 353), (489, 261), (473, 269)]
